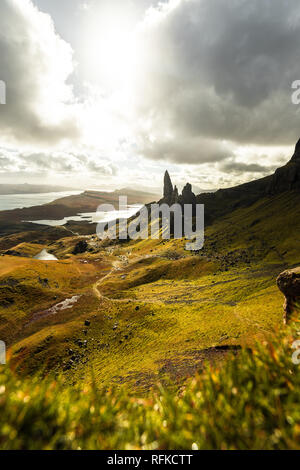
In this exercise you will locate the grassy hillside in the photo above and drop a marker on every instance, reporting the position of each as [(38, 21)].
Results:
[(154, 310), (251, 402), (121, 318)]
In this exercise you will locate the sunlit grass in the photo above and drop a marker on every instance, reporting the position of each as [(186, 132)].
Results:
[(251, 402)]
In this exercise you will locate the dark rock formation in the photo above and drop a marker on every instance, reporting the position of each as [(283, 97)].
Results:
[(224, 201), (44, 282), (289, 284), (171, 195), (287, 177), (80, 247), (187, 197), (168, 187), (175, 195)]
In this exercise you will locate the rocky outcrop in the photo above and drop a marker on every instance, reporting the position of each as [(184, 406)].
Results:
[(187, 196), (287, 177), (289, 284), (224, 201), (171, 195), (80, 247), (175, 196), (168, 186), (296, 156)]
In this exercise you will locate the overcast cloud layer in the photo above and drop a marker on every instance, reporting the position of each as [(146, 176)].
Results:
[(224, 73), (208, 93)]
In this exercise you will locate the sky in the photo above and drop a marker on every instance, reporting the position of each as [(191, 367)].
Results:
[(110, 93)]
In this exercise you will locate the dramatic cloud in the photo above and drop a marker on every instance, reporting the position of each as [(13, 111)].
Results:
[(202, 87), (220, 70), (35, 64), (54, 163), (240, 168), (183, 149)]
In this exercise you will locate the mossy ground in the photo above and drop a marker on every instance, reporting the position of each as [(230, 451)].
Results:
[(153, 307), (250, 402)]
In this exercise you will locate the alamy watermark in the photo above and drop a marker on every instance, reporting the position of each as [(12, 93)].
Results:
[(2, 353), (156, 221), (2, 92), (296, 353)]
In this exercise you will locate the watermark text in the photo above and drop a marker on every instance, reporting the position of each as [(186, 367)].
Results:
[(2, 92), (2, 353), (157, 221)]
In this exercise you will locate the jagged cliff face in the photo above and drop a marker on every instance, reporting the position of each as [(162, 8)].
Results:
[(171, 195), (287, 177)]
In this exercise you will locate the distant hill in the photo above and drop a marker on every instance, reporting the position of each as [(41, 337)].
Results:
[(90, 200), (11, 221), (6, 189)]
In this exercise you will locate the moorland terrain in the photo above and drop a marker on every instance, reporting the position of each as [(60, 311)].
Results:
[(140, 312)]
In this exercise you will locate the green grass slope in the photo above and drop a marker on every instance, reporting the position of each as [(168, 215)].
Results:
[(251, 402), (154, 310)]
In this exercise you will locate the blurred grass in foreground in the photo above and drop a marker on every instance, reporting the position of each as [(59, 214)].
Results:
[(251, 402)]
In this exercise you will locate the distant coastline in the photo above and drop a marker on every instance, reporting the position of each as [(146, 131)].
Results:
[(20, 201)]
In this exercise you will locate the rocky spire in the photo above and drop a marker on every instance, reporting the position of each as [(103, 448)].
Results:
[(168, 187), (172, 196), (175, 195)]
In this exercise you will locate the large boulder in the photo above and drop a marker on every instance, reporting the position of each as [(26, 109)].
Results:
[(289, 284)]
